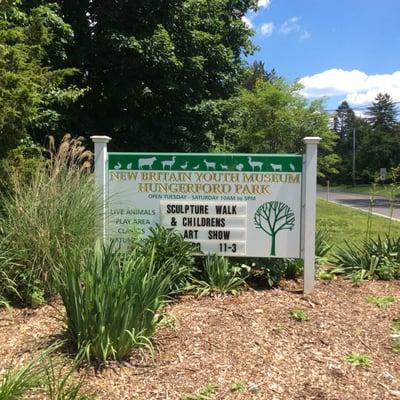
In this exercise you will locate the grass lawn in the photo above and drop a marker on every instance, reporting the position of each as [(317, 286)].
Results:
[(345, 223), (380, 190)]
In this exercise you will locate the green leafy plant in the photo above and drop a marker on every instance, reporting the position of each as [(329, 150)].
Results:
[(358, 359), (299, 315), (16, 382), (112, 301), (381, 301), (54, 209), (60, 384), (322, 246), (238, 387), (396, 325), (372, 259), (203, 394), (324, 275), (171, 254), (219, 276)]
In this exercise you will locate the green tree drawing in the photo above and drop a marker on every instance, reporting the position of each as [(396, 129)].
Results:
[(273, 217)]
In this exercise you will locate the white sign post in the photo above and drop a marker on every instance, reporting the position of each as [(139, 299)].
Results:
[(309, 211), (101, 179), (245, 205)]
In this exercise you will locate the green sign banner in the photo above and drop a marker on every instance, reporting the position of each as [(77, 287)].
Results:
[(205, 162)]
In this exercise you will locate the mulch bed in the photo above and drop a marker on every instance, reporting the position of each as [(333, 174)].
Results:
[(248, 339)]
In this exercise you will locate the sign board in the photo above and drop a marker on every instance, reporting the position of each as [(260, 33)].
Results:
[(232, 204)]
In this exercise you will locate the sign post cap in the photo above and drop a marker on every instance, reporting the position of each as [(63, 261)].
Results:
[(100, 138), (312, 140)]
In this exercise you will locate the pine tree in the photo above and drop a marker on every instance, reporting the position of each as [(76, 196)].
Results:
[(343, 121), (382, 114), (257, 72)]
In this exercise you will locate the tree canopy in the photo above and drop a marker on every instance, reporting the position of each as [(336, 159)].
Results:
[(30, 89), (274, 118), (149, 66)]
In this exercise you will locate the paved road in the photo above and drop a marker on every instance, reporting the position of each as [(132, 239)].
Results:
[(362, 201)]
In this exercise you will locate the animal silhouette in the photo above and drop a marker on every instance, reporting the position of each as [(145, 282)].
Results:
[(255, 164), (276, 167), (197, 166), (292, 167), (184, 166), (239, 167), (117, 165), (168, 163), (129, 166), (209, 165), (224, 166), (146, 162)]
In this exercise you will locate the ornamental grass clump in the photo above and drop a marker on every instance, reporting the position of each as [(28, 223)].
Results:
[(112, 301), (54, 208)]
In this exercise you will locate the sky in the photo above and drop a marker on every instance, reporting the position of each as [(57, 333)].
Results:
[(338, 49)]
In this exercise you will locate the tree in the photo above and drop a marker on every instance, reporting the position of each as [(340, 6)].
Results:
[(257, 72), (30, 90), (273, 217), (344, 122), (382, 114), (274, 118), (378, 144), (151, 66)]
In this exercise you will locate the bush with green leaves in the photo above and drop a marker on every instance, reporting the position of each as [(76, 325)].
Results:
[(112, 301), (171, 254), (220, 276), (55, 208), (372, 259)]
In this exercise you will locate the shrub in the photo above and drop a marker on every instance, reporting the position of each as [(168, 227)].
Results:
[(112, 301), (42, 215), (372, 259), (220, 276), (171, 254)]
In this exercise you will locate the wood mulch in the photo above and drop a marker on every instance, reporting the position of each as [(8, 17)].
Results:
[(248, 339)]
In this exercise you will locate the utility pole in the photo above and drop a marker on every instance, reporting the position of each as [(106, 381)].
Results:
[(354, 156)]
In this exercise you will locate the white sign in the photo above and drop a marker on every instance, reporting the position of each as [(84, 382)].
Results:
[(236, 204)]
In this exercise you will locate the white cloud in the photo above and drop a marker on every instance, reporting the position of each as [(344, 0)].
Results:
[(305, 35), (290, 25), (357, 87), (267, 28), (264, 3), (247, 21)]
